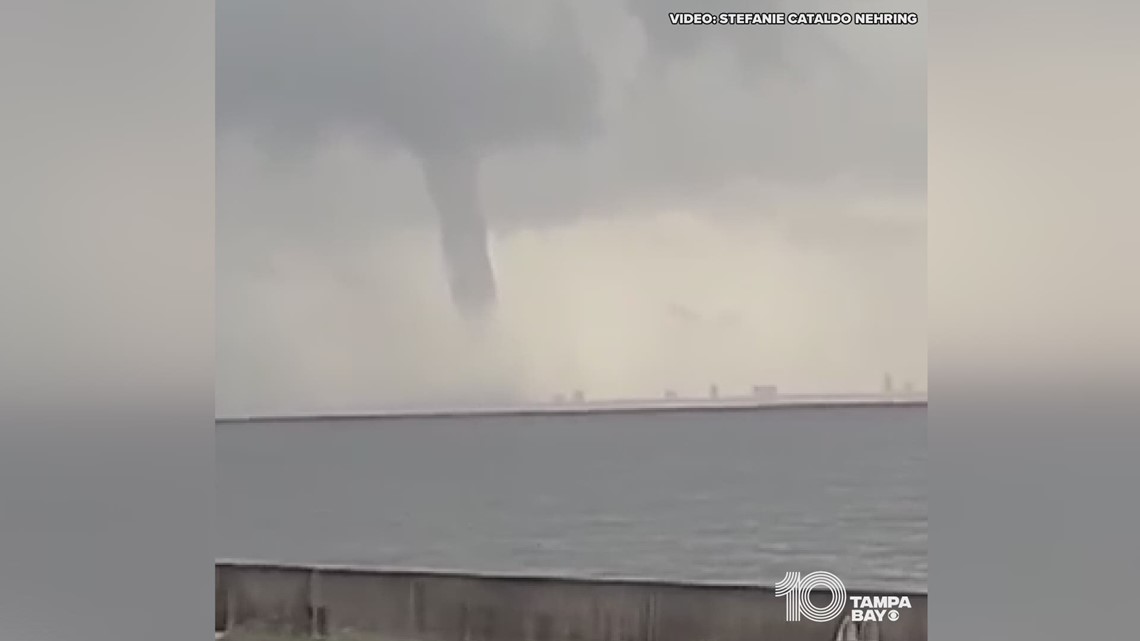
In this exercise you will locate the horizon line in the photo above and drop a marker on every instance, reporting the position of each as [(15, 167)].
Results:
[(603, 406)]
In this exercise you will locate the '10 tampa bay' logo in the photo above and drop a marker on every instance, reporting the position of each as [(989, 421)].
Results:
[(797, 589)]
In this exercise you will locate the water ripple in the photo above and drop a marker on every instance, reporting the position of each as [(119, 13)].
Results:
[(732, 500)]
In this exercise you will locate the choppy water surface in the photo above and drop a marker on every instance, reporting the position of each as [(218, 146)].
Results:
[(732, 496)]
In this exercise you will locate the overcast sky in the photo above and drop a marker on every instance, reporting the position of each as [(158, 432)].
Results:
[(668, 207)]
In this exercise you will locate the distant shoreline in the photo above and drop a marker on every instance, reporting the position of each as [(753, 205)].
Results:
[(601, 407)]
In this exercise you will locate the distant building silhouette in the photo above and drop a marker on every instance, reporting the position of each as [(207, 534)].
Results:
[(579, 397), (713, 391), (764, 391)]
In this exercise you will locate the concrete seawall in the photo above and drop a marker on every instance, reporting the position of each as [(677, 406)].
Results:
[(323, 601)]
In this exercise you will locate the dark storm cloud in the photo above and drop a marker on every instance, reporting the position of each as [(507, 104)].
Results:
[(429, 75), (795, 106), (441, 81), (642, 114)]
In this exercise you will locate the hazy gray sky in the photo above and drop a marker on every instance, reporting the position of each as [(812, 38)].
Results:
[(668, 207)]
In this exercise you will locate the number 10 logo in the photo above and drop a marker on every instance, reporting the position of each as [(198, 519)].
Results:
[(798, 591)]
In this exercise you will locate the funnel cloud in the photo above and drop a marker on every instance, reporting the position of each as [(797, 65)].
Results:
[(448, 85), (452, 182)]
